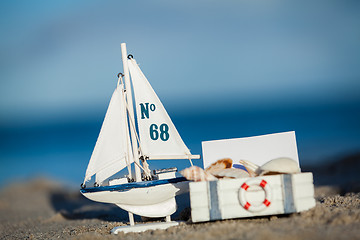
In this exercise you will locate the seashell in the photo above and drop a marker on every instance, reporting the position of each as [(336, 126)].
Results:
[(197, 174), (278, 166), (219, 165), (231, 173), (250, 167)]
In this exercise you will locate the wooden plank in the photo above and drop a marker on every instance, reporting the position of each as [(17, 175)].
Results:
[(200, 215), (233, 184), (199, 199), (303, 191), (300, 178), (198, 186), (304, 204), (237, 211), (220, 199)]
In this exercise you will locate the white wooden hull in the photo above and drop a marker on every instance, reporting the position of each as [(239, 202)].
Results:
[(151, 201), (226, 199), (161, 209)]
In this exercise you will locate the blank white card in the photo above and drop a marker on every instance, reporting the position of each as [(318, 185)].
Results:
[(258, 149)]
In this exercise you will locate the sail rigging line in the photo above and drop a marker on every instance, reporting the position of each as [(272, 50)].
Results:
[(120, 76), (139, 166), (190, 161), (146, 165), (132, 125), (134, 144), (120, 81), (134, 128)]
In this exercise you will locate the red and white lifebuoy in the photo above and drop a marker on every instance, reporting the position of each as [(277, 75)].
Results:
[(243, 189)]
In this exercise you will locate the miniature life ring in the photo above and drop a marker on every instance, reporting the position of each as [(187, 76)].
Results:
[(248, 206)]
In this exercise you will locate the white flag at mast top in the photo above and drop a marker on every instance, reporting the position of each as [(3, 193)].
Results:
[(159, 138)]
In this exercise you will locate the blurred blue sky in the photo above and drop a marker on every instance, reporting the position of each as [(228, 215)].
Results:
[(60, 58), (223, 69)]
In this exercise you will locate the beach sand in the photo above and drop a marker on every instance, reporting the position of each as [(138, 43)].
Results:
[(42, 209)]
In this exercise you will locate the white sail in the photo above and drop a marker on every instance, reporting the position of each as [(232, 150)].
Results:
[(110, 154), (159, 138)]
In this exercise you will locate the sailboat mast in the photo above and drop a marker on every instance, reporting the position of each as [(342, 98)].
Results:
[(131, 112), (129, 154)]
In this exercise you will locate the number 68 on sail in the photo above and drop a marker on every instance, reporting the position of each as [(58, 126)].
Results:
[(156, 132)]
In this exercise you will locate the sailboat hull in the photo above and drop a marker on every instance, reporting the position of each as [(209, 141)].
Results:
[(150, 199), (161, 209)]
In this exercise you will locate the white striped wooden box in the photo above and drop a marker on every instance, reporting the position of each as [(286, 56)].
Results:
[(249, 197)]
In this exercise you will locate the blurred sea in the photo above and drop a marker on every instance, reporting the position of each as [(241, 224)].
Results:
[(61, 149)]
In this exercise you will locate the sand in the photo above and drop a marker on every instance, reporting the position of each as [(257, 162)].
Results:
[(43, 209)]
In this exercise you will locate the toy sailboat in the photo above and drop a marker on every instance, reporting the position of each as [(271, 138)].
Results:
[(121, 143)]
